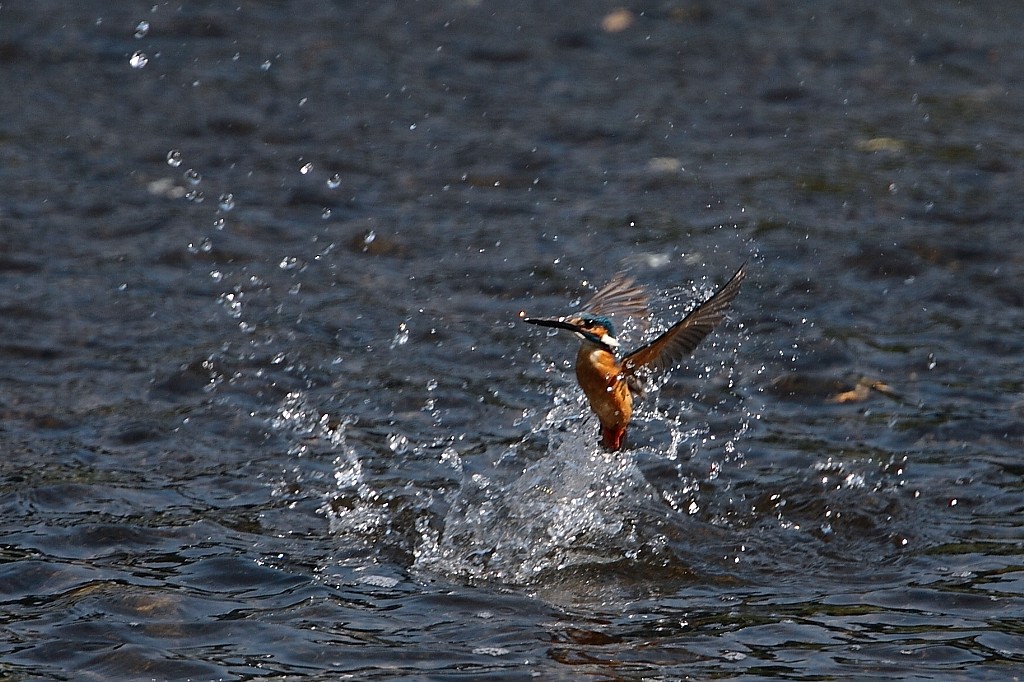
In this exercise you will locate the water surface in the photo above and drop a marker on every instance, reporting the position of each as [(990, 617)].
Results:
[(268, 411)]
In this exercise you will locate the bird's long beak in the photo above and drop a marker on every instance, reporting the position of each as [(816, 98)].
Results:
[(556, 322), (581, 332)]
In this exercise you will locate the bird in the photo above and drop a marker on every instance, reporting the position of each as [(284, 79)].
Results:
[(610, 383)]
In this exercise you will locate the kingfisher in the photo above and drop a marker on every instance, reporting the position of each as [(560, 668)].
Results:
[(610, 383)]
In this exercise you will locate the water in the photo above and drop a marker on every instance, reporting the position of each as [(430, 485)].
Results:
[(306, 436)]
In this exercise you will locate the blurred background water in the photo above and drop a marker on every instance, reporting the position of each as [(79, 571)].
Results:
[(267, 411)]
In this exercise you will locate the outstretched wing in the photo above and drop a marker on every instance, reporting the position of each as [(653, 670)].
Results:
[(684, 336), (622, 297)]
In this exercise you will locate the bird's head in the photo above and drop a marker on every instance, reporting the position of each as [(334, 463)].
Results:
[(596, 329)]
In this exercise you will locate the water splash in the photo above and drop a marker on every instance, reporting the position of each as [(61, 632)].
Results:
[(538, 524), (575, 507), (353, 507)]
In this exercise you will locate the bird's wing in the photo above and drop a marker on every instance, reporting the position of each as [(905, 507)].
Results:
[(622, 297), (682, 338)]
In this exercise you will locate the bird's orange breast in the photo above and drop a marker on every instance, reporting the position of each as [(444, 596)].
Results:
[(600, 376)]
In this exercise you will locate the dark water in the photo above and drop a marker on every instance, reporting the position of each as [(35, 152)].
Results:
[(266, 411)]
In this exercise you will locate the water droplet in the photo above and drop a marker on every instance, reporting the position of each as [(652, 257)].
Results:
[(450, 456), (218, 224), (138, 60), (226, 202), (325, 214), (412, 126), (397, 442), (288, 263), (432, 385), (402, 337), (141, 29), (195, 196), (204, 246), (174, 158), (265, 66), (334, 182), (931, 361), (306, 169), (193, 177), (232, 302), (369, 238)]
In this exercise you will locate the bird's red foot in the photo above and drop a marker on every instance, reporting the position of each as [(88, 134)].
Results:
[(612, 437)]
